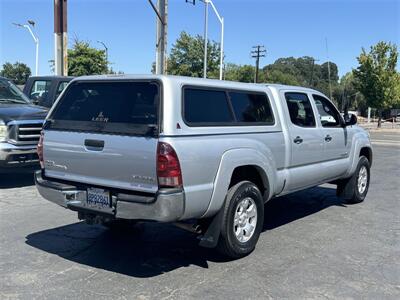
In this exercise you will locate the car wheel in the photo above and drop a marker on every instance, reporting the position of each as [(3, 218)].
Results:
[(357, 185), (242, 220)]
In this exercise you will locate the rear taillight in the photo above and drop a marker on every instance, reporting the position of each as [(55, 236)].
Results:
[(168, 168), (40, 150)]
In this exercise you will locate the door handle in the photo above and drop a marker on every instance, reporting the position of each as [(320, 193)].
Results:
[(328, 138), (96, 145), (298, 140)]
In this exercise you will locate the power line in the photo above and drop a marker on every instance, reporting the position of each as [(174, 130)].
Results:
[(257, 53)]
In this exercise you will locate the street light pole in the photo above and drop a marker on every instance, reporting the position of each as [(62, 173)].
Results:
[(36, 40), (106, 50), (205, 38), (221, 20)]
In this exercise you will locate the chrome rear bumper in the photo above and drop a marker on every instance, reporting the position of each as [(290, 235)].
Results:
[(166, 206)]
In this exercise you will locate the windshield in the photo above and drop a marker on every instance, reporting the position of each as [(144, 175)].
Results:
[(9, 92)]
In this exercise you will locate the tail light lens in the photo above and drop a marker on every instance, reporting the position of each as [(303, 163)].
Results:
[(168, 168), (40, 150)]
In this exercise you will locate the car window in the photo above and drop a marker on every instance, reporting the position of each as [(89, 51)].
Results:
[(206, 106), (61, 86), (40, 89), (300, 109), (10, 92), (328, 113), (251, 107)]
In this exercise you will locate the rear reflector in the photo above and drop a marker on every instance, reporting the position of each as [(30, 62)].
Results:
[(168, 168)]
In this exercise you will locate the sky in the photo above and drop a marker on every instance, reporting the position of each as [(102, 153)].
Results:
[(285, 27)]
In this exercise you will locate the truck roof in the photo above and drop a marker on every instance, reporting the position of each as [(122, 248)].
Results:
[(193, 80), (52, 77)]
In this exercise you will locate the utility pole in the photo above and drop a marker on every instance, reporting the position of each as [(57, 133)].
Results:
[(259, 52), (60, 36), (161, 46), (312, 71)]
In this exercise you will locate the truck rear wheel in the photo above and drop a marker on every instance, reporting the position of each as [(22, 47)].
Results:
[(242, 220)]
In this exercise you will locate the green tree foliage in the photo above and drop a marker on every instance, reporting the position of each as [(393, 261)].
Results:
[(303, 71), (187, 54), (349, 96), (85, 60), (377, 78), (242, 73), (17, 72)]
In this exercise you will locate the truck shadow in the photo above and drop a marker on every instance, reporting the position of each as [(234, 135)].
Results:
[(151, 249), (288, 208), (16, 180)]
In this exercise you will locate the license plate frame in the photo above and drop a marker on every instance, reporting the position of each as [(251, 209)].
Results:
[(98, 199)]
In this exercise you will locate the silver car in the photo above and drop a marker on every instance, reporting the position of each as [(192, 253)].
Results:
[(204, 154)]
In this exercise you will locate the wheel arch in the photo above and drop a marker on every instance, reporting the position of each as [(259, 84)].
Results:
[(361, 145), (252, 173), (234, 165), (367, 152)]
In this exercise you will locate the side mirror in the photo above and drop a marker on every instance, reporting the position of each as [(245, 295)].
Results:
[(350, 119)]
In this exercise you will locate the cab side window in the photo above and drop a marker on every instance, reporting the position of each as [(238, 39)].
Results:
[(300, 109), (328, 113)]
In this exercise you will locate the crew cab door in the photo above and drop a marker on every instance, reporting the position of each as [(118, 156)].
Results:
[(335, 136), (305, 139)]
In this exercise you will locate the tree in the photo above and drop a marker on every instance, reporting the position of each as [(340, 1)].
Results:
[(240, 73), (187, 57), (377, 78), (85, 60), (278, 76), (17, 72), (302, 71), (349, 96)]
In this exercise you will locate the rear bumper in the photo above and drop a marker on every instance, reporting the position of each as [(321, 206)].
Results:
[(14, 156), (165, 206)]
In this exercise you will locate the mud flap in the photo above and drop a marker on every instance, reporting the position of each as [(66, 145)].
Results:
[(345, 187), (210, 238)]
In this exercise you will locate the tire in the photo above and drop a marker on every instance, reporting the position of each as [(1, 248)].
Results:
[(355, 188), (240, 229)]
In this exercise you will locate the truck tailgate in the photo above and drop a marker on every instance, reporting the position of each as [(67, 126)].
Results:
[(104, 133), (124, 162)]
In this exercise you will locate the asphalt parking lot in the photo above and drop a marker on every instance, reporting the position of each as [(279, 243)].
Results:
[(313, 246)]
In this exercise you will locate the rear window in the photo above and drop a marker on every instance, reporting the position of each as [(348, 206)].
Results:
[(206, 106), (115, 107)]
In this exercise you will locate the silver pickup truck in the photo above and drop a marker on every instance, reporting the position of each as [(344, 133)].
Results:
[(203, 154)]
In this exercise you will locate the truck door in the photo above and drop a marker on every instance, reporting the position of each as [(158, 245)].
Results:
[(335, 136), (305, 140)]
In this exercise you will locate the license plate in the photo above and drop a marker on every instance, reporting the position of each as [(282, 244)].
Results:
[(98, 199)]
